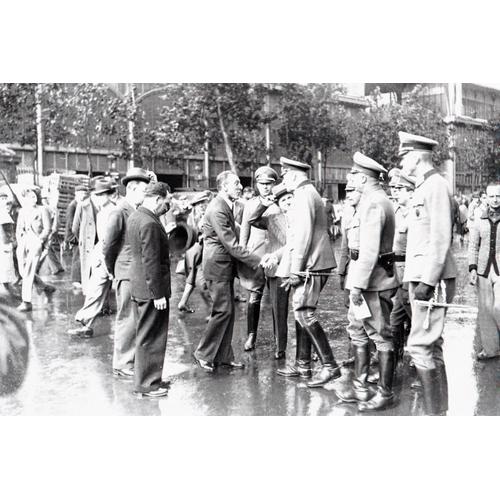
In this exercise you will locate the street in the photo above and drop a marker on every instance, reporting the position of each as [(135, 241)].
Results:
[(74, 377)]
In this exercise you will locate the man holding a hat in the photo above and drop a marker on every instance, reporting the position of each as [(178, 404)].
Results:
[(430, 266), (117, 257), (311, 262), (99, 282), (402, 187), (372, 281), (254, 238)]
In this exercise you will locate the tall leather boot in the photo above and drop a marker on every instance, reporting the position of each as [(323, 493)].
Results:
[(384, 396), (443, 389), (253, 312), (430, 379), (330, 369), (359, 390), (302, 366)]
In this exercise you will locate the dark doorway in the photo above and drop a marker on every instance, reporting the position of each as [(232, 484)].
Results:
[(174, 181)]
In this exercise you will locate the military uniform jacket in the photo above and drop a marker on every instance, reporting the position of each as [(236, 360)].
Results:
[(401, 238), (376, 236), (221, 249), (150, 260), (429, 258), (349, 231), (484, 244), (115, 247), (311, 247)]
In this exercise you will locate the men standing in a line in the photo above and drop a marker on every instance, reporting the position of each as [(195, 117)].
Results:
[(402, 186), (372, 281), (254, 238), (150, 288), (311, 261), (117, 257), (99, 283), (430, 266), (484, 247), (221, 250)]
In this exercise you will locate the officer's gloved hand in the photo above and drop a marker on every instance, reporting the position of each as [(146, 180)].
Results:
[(424, 291), (292, 281)]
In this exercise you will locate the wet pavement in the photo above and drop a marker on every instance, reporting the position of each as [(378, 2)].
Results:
[(74, 377)]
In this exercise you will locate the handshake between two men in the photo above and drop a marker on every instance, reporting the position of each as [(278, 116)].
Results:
[(270, 261)]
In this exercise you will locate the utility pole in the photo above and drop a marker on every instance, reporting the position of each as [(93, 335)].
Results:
[(131, 122), (39, 134)]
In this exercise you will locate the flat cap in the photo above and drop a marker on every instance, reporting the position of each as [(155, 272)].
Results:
[(287, 163), (266, 175), (199, 198), (411, 142), (366, 166), (279, 190)]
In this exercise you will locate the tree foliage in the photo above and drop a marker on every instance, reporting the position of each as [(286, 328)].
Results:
[(375, 133)]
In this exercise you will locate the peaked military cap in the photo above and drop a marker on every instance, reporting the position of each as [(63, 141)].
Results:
[(366, 165), (406, 181), (394, 176), (287, 163), (411, 142), (266, 174), (279, 190)]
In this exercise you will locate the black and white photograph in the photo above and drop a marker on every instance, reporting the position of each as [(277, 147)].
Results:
[(250, 248)]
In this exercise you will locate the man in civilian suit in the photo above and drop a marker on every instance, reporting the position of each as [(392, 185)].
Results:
[(117, 257), (150, 286), (220, 253)]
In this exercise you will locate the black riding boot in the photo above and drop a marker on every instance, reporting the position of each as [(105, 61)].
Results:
[(431, 387), (359, 390), (330, 369), (384, 396), (302, 367), (253, 312)]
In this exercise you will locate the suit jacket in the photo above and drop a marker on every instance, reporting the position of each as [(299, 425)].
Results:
[(429, 258), (311, 247), (150, 260), (480, 244), (221, 249), (69, 237), (376, 236), (116, 248)]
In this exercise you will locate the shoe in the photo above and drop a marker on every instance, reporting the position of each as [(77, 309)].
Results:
[(125, 373), (185, 309), (384, 396), (373, 377), (232, 364), (250, 342), (295, 371), (279, 355), (156, 393), (327, 373), (205, 365), (24, 306), (84, 332), (482, 356), (49, 289), (378, 402)]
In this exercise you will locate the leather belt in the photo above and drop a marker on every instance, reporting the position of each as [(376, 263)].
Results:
[(399, 258)]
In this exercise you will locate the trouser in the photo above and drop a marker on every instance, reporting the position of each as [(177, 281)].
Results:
[(76, 271), (150, 344), (31, 256), (489, 312), (279, 308), (305, 301), (215, 344), (425, 345), (53, 260), (96, 294), (124, 339), (400, 319), (377, 326)]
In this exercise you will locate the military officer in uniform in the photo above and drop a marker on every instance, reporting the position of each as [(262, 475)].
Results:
[(371, 279), (402, 186), (429, 265), (311, 261)]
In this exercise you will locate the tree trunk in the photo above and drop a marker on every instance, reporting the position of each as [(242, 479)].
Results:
[(225, 137)]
